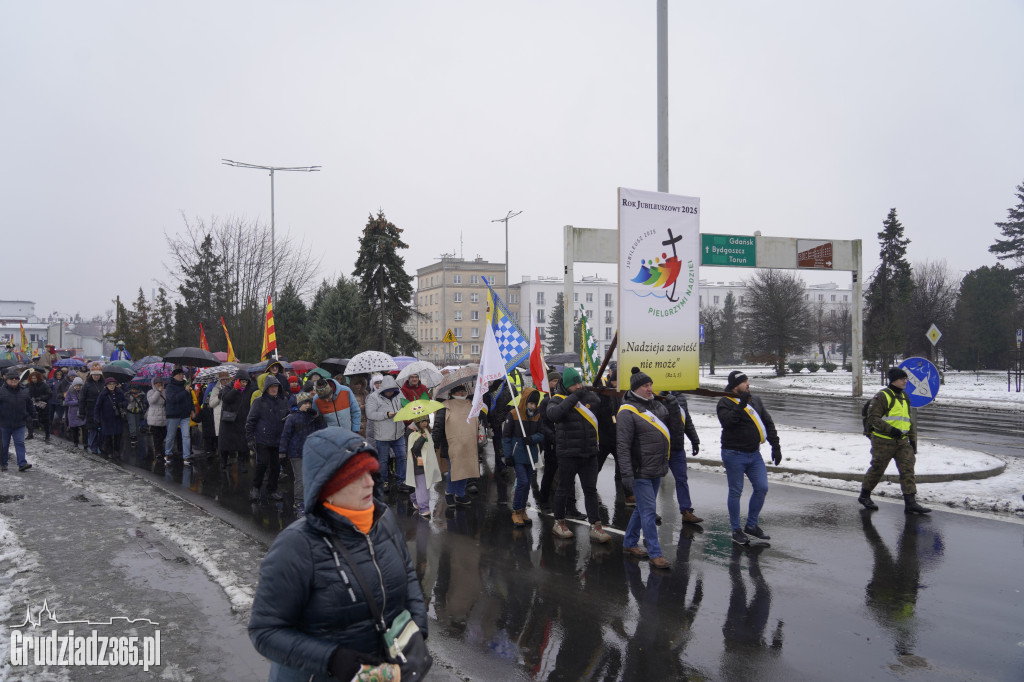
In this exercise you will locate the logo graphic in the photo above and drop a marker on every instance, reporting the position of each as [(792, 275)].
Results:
[(51, 617), (661, 273)]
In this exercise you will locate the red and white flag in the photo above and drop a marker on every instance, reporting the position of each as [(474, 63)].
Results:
[(538, 367), (492, 367)]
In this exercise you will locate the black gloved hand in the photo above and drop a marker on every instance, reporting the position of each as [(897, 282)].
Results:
[(897, 434), (776, 454), (744, 400), (510, 461), (627, 484), (345, 663), (696, 448)]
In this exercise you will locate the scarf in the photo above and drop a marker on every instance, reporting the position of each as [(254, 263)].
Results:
[(361, 518)]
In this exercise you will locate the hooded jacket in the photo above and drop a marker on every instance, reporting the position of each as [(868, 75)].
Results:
[(575, 436), (417, 392), (178, 401), (297, 428), (266, 417), (642, 447), (87, 401), (16, 408), (341, 409), (156, 414), (231, 437), (108, 408), (303, 610), (378, 406), (71, 397)]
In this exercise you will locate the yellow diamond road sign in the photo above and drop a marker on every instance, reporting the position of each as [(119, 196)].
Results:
[(450, 338), (933, 334)]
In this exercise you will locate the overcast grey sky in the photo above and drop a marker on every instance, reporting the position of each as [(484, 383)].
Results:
[(799, 119)]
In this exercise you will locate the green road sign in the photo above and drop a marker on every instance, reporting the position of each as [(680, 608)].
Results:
[(732, 250)]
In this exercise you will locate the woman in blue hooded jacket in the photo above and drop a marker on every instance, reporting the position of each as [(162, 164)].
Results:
[(310, 616)]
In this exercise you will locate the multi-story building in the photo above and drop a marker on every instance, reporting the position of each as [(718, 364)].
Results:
[(451, 295), (534, 299)]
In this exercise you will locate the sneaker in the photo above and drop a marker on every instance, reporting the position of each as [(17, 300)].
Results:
[(740, 538), (635, 552), (449, 499), (463, 501), (186, 463), (690, 517), (575, 514), (660, 562), (597, 533), (403, 488), (24, 467), (561, 530), (756, 532)]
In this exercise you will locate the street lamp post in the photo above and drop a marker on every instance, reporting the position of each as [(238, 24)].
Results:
[(505, 220), (272, 169)]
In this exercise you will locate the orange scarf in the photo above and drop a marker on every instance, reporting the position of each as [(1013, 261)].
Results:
[(363, 519)]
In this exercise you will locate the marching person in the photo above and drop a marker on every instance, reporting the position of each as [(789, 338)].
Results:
[(156, 419), (893, 436), (178, 406), (522, 437), (455, 437), (677, 463), (87, 407), (109, 408), (48, 357), (16, 413), (381, 406), (40, 393), (300, 423), (75, 420), (745, 425), (120, 353), (645, 428), (233, 415), (263, 428), (337, 403)]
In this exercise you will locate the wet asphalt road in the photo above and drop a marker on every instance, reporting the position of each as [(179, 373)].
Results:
[(840, 593)]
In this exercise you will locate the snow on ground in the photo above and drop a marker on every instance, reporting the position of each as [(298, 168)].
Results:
[(968, 389), (814, 451)]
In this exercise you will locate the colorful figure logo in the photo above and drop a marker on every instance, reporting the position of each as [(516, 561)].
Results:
[(661, 273)]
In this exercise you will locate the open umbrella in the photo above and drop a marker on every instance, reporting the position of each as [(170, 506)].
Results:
[(127, 364), (221, 355), (205, 376), (428, 372), (460, 377), (562, 358), (70, 362), (404, 360), (122, 374), (146, 373), (192, 357), (261, 367), (334, 365), (417, 409), (7, 362), (370, 361), (148, 360), (303, 366)]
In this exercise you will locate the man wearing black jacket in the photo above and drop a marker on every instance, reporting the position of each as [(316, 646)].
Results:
[(745, 425)]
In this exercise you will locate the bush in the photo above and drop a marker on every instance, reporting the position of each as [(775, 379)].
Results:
[(795, 367), (830, 366), (813, 367), (848, 367)]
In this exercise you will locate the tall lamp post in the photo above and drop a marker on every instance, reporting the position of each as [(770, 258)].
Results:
[(505, 220), (272, 169)]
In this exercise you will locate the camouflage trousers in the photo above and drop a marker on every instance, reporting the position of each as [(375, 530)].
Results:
[(883, 451)]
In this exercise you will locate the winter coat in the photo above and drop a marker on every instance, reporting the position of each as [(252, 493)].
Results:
[(178, 400), (156, 415), (303, 608), (455, 439), (135, 401), (120, 354), (739, 432), (47, 359), (233, 399), (378, 406), (417, 445), (417, 392), (607, 416), (71, 398), (689, 430), (217, 405), (497, 403), (266, 417), (341, 409), (361, 402), (575, 435), (297, 428), (40, 393), (547, 427), (87, 402), (56, 395), (523, 449), (642, 447), (108, 411), (16, 409)]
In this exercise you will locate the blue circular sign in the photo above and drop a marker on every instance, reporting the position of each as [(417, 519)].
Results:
[(922, 381)]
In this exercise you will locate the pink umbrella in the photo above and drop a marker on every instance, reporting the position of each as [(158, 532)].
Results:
[(303, 366), (221, 355)]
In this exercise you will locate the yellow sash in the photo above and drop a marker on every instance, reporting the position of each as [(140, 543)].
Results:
[(754, 416), (651, 419), (586, 414)]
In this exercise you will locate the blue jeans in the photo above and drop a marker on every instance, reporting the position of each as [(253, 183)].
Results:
[(173, 425), (395, 448), (738, 464), (677, 465), (457, 488), (18, 435), (646, 492), (522, 490)]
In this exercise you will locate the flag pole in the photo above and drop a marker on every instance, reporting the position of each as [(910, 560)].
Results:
[(522, 429)]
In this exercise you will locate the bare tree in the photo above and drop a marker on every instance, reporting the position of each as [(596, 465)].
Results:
[(840, 327), (712, 318), (932, 301), (819, 325), (778, 319)]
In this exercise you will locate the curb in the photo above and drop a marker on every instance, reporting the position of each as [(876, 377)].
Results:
[(892, 478)]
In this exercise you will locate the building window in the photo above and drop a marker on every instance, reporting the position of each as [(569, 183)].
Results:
[(741, 300), (540, 316), (543, 333), (700, 301), (474, 315), (456, 279), (540, 298), (475, 349), (607, 333), (844, 297), (474, 279), (716, 300), (458, 349), (576, 298), (608, 300), (458, 332), (821, 297), (474, 332), (474, 298), (833, 298), (608, 317), (590, 298), (513, 298), (458, 297), (807, 297), (590, 314), (458, 315)]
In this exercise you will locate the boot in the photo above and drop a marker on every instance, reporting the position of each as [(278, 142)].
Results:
[(690, 517), (912, 507), (46, 438), (517, 518), (561, 530), (597, 533), (865, 499)]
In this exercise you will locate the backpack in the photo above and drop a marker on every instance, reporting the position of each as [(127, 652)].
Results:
[(867, 408)]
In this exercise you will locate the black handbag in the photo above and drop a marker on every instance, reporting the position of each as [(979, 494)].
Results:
[(226, 416), (403, 640)]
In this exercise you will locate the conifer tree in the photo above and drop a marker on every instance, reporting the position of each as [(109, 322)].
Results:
[(889, 293), (1012, 247), (291, 324), (385, 287), (163, 323)]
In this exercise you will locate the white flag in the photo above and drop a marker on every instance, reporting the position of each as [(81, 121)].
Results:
[(492, 367)]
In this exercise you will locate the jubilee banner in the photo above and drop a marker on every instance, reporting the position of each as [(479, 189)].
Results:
[(659, 306)]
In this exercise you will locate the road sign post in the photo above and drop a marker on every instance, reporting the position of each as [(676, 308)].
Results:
[(922, 381)]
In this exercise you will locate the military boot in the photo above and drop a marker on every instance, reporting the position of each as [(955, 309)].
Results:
[(912, 507)]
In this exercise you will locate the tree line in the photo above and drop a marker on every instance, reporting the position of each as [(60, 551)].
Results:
[(977, 313), (224, 268)]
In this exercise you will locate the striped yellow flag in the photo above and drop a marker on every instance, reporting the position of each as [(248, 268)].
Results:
[(24, 338), (269, 337), (231, 349)]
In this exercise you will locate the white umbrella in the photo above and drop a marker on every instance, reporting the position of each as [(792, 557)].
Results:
[(428, 372), (370, 361)]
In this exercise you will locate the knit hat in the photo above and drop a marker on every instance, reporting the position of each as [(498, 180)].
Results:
[(304, 398), (638, 379), (293, 384), (324, 389), (571, 377), (158, 380), (110, 380), (12, 374), (896, 373), (78, 382), (177, 370), (96, 371), (354, 467), (736, 378)]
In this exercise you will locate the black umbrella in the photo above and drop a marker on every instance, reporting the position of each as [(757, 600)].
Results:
[(335, 365), (122, 374), (562, 358), (7, 362), (192, 357)]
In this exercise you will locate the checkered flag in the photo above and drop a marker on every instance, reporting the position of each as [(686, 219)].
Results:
[(512, 343)]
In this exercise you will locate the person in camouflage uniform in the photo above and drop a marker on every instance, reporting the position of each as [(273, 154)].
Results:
[(893, 436)]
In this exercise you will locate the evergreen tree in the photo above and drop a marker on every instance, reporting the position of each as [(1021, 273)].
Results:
[(291, 324), (141, 334), (122, 329), (334, 328), (987, 313), (888, 294), (163, 323), (730, 330), (1012, 247), (555, 333), (386, 289), (205, 297)]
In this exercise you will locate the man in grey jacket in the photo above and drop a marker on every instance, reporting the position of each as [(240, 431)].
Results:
[(381, 407)]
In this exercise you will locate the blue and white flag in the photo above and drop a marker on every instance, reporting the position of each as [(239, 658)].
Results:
[(512, 343)]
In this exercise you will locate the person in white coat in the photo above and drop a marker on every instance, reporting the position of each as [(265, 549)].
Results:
[(381, 407)]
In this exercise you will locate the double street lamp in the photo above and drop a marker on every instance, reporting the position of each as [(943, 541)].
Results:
[(505, 220)]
